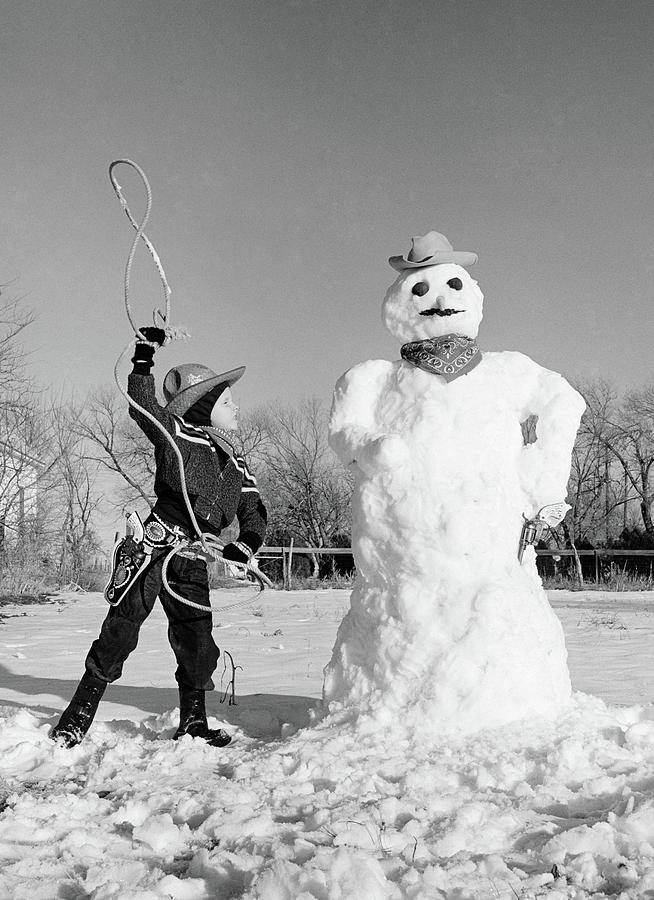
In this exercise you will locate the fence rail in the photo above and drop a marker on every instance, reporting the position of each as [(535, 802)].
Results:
[(594, 557), (274, 552), (597, 556)]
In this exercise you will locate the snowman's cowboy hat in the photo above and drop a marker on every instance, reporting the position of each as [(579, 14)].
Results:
[(184, 385), (431, 249)]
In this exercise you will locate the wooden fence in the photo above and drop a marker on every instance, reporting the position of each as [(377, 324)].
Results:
[(286, 555), (599, 562), (595, 563)]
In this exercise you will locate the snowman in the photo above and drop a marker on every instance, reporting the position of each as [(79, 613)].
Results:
[(448, 630)]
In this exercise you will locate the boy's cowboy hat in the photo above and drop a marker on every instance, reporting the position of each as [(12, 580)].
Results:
[(432, 249), (185, 384)]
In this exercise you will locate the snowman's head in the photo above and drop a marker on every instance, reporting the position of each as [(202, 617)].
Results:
[(431, 301)]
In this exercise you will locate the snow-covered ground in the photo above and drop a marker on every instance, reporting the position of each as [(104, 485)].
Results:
[(297, 808)]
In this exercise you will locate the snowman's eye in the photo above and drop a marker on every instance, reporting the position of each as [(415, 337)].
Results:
[(420, 289), (455, 283)]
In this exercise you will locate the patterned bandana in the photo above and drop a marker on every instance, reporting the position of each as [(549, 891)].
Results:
[(450, 356)]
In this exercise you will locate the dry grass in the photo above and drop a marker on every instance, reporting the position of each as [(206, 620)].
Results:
[(618, 580)]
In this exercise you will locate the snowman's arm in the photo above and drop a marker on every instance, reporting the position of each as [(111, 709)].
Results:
[(355, 432), (545, 464)]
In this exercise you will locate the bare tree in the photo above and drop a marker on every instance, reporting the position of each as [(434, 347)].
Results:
[(305, 487), (23, 441), (14, 318), (114, 442), (626, 430), (596, 487), (21, 465), (585, 489), (73, 493), (47, 494)]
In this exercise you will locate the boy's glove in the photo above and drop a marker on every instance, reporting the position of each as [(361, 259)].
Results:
[(143, 358), (153, 334), (237, 551)]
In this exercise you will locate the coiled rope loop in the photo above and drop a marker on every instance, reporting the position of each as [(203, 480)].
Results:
[(140, 235)]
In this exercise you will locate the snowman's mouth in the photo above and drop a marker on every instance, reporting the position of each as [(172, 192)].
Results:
[(441, 312)]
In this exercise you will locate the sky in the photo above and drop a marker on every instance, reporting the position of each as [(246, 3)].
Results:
[(292, 146)]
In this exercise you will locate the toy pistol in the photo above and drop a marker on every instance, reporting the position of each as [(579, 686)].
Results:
[(546, 517)]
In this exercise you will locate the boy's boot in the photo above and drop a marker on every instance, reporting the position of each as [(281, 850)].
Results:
[(76, 719), (193, 719)]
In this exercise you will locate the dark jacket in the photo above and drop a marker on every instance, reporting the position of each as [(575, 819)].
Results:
[(220, 485)]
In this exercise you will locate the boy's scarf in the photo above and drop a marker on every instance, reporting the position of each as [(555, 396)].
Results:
[(221, 438), (449, 356)]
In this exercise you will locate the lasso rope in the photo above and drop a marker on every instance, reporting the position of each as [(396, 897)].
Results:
[(207, 543), (140, 235)]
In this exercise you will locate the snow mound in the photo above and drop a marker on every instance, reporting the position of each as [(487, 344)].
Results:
[(549, 808)]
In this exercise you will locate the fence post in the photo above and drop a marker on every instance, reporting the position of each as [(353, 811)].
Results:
[(290, 563), (596, 567)]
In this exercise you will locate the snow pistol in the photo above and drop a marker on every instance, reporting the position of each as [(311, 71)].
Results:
[(546, 517)]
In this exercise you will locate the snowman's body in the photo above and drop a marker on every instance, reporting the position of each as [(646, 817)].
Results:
[(447, 629)]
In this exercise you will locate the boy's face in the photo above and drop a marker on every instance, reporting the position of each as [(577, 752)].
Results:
[(225, 412)]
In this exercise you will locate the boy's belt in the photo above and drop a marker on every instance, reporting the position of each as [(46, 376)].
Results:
[(159, 533)]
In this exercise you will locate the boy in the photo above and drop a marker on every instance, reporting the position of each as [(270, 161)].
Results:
[(201, 416)]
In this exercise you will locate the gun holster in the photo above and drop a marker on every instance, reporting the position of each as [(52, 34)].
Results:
[(130, 557), (133, 553)]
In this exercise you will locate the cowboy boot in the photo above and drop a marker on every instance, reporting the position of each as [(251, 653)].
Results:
[(76, 719), (193, 719)]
